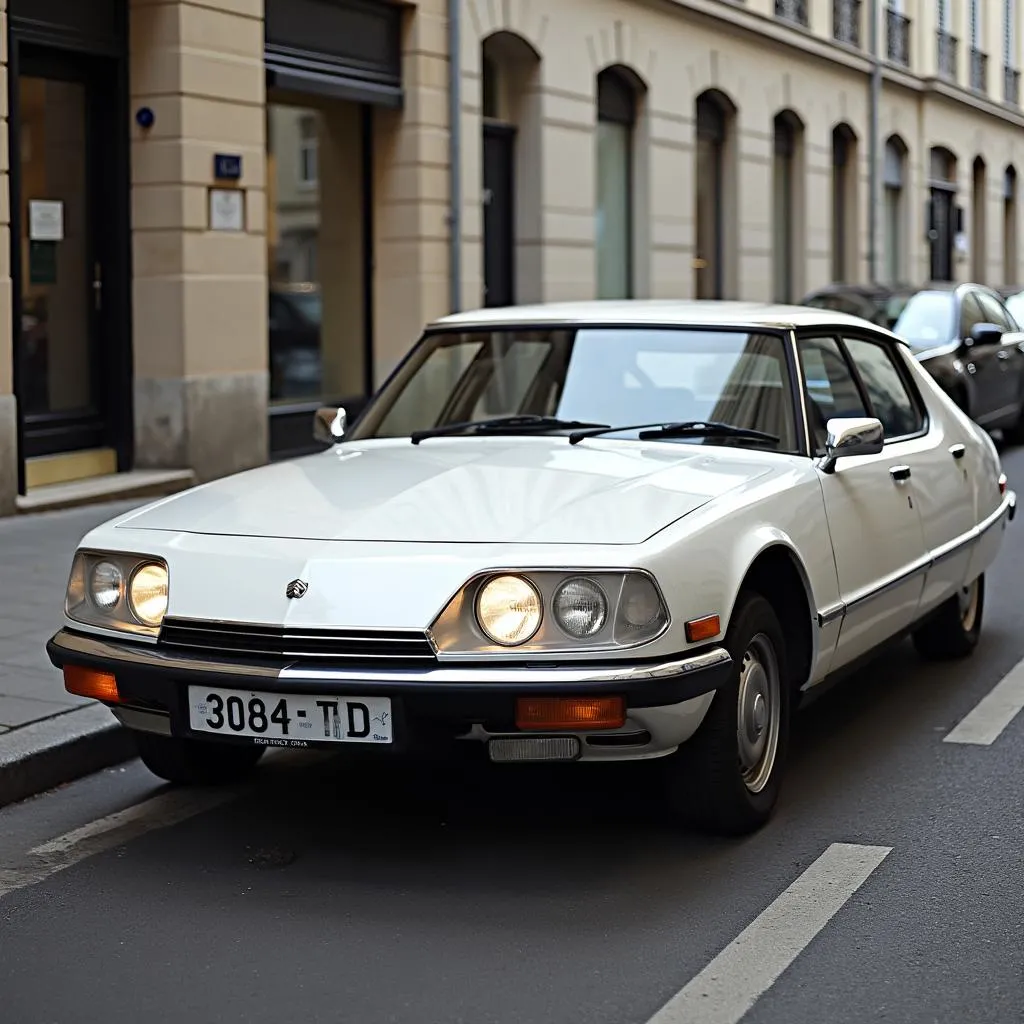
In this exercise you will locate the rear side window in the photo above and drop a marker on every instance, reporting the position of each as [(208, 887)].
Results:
[(891, 399), (831, 390)]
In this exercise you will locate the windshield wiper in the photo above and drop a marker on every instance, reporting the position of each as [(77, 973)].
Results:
[(685, 428), (507, 424)]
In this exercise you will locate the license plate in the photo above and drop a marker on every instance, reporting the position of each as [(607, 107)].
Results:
[(289, 719)]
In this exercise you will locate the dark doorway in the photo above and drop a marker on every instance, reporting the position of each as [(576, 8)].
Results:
[(70, 252), (499, 215)]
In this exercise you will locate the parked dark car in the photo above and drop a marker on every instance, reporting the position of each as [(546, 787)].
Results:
[(878, 304), (964, 335)]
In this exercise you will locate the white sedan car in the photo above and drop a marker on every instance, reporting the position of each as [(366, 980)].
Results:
[(579, 532)]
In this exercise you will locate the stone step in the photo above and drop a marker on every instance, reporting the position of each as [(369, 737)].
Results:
[(138, 483)]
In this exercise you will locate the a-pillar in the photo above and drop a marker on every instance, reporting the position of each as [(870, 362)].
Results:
[(200, 295)]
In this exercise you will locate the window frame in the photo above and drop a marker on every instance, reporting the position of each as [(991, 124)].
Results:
[(909, 384), (838, 333)]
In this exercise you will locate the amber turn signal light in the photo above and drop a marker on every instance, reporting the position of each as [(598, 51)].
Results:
[(570, 712), (703, 629), (89, 682)]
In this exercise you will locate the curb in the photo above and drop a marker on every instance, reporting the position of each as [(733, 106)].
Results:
[(58, 750)]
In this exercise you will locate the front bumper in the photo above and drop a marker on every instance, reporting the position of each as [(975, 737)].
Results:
[(665, 700)]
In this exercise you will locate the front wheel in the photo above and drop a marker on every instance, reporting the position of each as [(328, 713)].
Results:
[(954, 630), (726, 779), (190, 762)]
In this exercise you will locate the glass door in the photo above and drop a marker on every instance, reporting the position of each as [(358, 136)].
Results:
[(70, 342)]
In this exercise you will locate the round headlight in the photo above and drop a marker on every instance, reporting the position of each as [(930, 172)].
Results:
[(106, 585), (580, 607), (508, 610), (640, 606), (147, 594)]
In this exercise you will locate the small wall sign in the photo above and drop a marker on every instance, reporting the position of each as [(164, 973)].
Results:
[(45, 220), (227, 209), (227, 167)]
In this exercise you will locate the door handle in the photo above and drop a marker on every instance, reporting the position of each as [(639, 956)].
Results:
[(958, 451), (899, 473)]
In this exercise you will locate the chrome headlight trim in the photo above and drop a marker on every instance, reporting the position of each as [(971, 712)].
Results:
[(81, 606), (456, 633)]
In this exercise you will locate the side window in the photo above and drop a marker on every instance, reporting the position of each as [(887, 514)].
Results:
[(995, 313), (831, 389), (970, 314), (890, 399)]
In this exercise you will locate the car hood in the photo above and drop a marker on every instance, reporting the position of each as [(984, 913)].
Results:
[(465, 490)]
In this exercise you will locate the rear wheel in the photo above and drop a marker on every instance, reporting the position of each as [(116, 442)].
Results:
[(954, 630), (195, 763), (726, 779)]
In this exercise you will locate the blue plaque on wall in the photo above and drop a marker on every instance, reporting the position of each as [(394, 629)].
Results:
[(227, 167)]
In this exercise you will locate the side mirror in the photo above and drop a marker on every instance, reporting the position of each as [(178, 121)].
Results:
[(851, 436), (984, 334), (329, 425)]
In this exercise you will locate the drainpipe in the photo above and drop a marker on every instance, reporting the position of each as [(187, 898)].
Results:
[(873, 148), (455, 157)]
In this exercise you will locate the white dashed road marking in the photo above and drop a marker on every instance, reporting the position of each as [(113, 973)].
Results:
[(113, 830), (730, 985), (993, 713)]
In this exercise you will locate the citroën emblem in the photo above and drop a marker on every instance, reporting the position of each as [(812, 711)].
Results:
[(296, 589)]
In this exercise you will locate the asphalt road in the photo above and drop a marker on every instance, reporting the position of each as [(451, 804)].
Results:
[(498, 894)]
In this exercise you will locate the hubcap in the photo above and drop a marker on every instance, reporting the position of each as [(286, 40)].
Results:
[(968, 601), (758, 713)]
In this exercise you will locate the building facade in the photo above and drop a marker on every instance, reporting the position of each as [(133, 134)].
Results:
[(216, 214)]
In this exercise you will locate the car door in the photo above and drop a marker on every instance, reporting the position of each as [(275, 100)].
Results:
[(873, 519), (1009, 358), (933, 450), (980, 361)]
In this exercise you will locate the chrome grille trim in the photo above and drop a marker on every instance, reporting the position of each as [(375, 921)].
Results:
[(366, 646)]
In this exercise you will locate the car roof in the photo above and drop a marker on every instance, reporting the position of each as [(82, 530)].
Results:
[(639, 312)]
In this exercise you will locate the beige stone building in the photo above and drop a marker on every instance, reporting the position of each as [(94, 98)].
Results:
[(218, 213)]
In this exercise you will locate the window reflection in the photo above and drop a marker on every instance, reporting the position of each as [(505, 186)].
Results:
[(316, 227)]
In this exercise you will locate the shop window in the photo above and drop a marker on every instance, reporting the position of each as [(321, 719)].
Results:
[(315, 257)]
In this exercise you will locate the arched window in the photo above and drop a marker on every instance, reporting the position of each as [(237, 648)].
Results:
[(616, 121), (979, 222), (844, 203), (1010, 226), (894, 173), (715, 115), (785, 230)]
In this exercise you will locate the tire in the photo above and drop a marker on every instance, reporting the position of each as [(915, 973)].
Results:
[(954, 630), (189, 762), (707, 783)]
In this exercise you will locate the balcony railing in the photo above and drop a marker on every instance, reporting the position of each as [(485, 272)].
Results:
[(792, 10), (948, 47), (897, 37), (979, 70), (846, 21), (1011, 86)]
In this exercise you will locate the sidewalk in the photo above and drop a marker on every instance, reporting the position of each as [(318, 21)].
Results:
[(47, 735)]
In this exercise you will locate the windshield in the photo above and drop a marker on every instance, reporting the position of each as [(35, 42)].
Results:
[(613, 375), (928, 320)]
